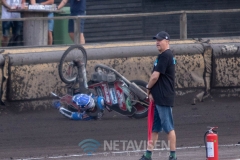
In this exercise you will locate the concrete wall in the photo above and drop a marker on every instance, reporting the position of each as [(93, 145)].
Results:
[(202, 69)]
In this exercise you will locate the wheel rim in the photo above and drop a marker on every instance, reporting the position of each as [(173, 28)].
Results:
[(140, 108), (69, 70)]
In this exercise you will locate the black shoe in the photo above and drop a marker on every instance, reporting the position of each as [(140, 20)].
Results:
[(145, 158), (171, 158)]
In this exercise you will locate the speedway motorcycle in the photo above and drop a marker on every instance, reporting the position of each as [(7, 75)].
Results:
[(129, 98)]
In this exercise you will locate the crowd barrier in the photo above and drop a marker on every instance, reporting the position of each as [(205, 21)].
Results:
[(203, 69)]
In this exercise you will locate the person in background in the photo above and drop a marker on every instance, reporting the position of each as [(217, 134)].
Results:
[(7, 25), (50, 21), (77, 8)]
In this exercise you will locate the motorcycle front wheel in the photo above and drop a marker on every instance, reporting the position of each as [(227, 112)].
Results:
[(68, 72), (142, 106)]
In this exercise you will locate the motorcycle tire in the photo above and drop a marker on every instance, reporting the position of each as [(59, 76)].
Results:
[(72, 53), (144, 111)]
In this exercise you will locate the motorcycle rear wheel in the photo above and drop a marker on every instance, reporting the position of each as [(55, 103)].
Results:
[(142, 111), (66, 63)]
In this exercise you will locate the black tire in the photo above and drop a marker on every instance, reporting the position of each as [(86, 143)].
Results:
[(144, 113), (68, 56)]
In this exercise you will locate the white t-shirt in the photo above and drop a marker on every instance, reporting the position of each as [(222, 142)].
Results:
[(9, 15)]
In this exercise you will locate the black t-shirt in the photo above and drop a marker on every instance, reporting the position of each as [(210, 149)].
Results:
[(163, 91)]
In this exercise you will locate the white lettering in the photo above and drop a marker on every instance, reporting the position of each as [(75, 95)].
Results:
[(165, 145), (130, 146), (107, 145), (124, 144), (113, 96), (133, 145), (116, 145), (138, 147), (157, 144)]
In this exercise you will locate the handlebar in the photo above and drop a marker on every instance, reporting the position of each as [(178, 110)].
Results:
[(55, 95)]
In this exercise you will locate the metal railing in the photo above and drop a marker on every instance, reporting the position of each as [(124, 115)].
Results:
[(182, 19)]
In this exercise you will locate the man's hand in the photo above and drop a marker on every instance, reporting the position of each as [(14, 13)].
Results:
[(62, 4), (148, 92), (150, 97)]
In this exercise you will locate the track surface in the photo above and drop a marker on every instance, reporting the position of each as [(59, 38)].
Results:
[(47, 134)]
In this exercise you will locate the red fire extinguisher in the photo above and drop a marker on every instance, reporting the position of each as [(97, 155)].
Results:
[(211, 144)]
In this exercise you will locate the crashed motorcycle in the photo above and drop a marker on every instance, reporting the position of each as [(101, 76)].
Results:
[(129, 98)]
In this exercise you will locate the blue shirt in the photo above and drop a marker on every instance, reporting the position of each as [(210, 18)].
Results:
[(77, 7)]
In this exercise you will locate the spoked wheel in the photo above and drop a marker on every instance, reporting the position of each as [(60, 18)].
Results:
[(141, 105), (67, 69)]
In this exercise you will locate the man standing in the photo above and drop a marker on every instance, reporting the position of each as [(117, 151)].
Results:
[(50, 15), (6, 25), (77, 8), (161, 90)]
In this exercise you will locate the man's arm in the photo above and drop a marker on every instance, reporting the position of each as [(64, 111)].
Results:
[(153, 79), (62, 4), (48, 2), (33, 1), (4, 3)]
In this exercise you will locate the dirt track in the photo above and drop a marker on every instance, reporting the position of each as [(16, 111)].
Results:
[(47, 133)]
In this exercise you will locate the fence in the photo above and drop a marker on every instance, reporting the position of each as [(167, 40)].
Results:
[(182, 19), (29, 75)]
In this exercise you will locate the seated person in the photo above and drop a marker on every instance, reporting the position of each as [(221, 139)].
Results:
[(90, 107)]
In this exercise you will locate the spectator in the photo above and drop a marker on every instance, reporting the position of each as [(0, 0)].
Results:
[(50, 21), (7, 25), (77, 7)]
